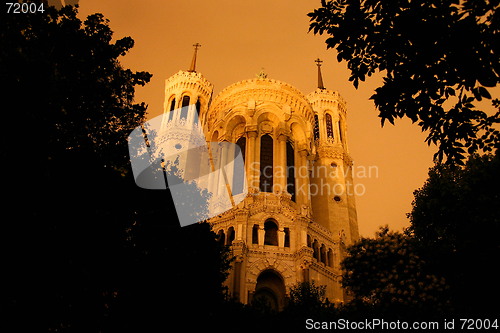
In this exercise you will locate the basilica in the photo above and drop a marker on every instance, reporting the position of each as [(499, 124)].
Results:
[(292, 217)]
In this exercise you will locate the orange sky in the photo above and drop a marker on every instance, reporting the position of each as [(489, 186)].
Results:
[(238, 39)]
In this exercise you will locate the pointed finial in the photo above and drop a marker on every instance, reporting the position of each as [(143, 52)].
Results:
[(320, 78), (193, 62), (262, 74)]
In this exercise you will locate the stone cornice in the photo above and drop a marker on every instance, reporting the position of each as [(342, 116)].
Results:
[(327, 99), (267, 90), (318, 231), (327, 271), (272, 204), (329, 151), (188, 81)]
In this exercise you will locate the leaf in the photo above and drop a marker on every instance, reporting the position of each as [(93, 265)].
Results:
[(450, 91), (477, 94), (484, 92), (429, 51)]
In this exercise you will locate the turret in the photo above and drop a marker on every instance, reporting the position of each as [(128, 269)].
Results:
[(332, 193), (187, 99)]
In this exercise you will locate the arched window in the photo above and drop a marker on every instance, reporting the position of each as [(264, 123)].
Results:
[(271, 233), (255, 234), (329, 126), (290, 170), (316, 127), (309, 242), (238, 176), (266, 163), (172, 108), (330, 257), (287, 237), (322, 253), (221, 237), (242, 142), (198, 107), (315, 247), (185, 107), (341, 135), (230, 236)]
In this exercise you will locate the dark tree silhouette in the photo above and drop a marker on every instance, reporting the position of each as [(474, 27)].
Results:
[(306, 300), (83, 248), (438, 58), (443, 264), (70, 108), (389, 275), (455, 220)]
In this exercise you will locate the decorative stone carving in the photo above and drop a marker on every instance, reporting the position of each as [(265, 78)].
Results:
[(266, 128)]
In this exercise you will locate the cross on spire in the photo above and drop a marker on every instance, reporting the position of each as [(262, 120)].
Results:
[(193, 62), (318, 62)]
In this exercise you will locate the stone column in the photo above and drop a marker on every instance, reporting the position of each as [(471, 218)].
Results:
[(339, 134), (237, 279), (281, 180), (261, 235), (321, 123), (241, 225), (189, 119), (251, 162), (303, 238), (217, 160), (303, 194), (305, 271), (281, 237)]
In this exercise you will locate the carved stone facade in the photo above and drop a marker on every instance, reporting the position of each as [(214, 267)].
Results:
[(298, 230)]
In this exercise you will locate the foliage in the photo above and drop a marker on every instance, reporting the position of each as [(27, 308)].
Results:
[(63, 80), (84, 249), (444, 263), (307, 295), (192, 202), (388, 273), (176, 274), (455, 220), (439, 58)]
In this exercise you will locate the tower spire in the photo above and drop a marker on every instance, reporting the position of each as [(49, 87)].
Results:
[(193, 62), (318, 62)]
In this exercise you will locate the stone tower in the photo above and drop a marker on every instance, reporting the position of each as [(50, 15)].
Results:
[(298, 215), (187, 95)]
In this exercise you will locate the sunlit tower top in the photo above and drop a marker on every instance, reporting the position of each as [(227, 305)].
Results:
[(187, 88)]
